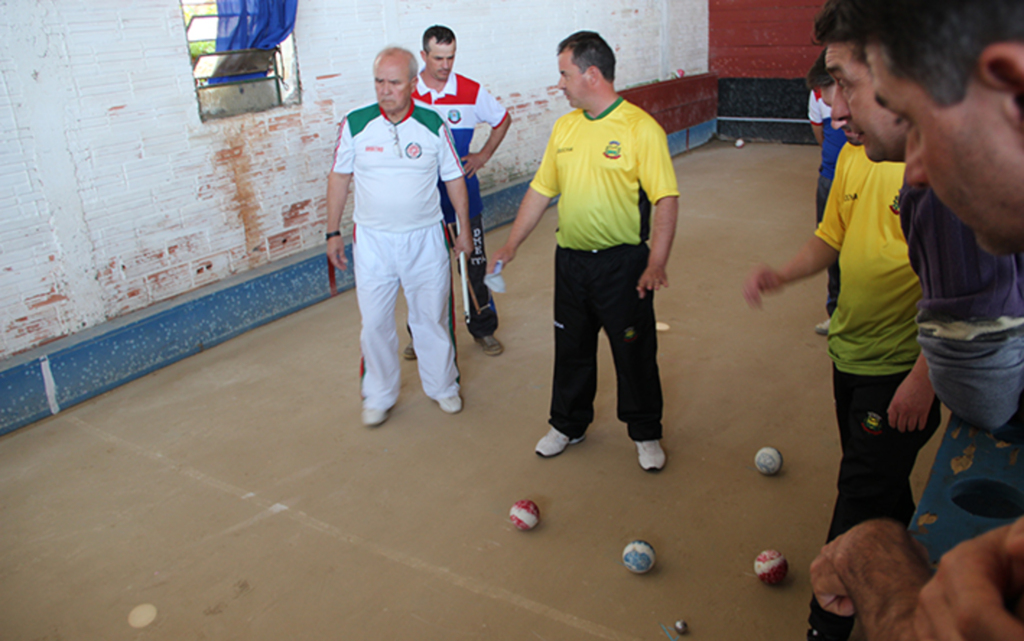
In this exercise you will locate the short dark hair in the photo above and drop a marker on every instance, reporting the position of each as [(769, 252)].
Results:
[(937, 43), (833, 25), (439, 34), (817, 75), (590, 50)]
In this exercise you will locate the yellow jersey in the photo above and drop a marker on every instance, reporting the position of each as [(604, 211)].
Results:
[(599, 166), (873, 332)]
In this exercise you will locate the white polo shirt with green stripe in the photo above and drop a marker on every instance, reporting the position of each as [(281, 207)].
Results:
[(395, 167)]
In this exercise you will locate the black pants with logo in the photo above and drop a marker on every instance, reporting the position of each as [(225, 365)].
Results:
[(595, 290), (874, 475)]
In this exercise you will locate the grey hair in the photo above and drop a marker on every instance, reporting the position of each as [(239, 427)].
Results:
[(414, 67)]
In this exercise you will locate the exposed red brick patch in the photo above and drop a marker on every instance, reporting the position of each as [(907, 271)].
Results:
[(282, 122), (283, 244), (51, 297), (228, 154), (297, 214), (169, 282)]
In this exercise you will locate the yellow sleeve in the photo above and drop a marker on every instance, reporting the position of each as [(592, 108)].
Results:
[(545, 181), (657, 176)]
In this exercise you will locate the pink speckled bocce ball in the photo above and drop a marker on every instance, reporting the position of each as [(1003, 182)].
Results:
[(771, 567), (524, 514)]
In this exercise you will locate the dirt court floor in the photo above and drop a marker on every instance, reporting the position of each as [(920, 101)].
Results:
[(238, 492)]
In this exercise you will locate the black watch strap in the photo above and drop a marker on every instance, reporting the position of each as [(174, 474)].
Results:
[(331, 234)]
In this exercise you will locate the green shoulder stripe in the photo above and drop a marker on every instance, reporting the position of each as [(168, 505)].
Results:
[(428, 118), (358, 119)]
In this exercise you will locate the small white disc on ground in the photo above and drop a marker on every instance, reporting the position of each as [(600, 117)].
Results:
[(142, 615), (661, 327)]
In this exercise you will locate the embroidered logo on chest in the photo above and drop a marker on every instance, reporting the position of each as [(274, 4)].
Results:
[(454, 116), (613, 151), (414, 151)]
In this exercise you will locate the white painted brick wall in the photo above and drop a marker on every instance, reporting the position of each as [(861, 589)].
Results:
[(113, 194)]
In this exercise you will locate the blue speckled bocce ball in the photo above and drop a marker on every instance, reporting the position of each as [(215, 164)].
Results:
[(638, 557)]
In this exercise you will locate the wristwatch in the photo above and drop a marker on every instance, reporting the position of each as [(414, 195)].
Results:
[(331, 234)]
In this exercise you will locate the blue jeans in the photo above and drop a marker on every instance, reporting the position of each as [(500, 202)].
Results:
[(979, 381)]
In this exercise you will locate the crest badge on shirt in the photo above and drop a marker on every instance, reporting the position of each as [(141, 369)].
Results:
[(613, 151), (454, 116), (414, 151)]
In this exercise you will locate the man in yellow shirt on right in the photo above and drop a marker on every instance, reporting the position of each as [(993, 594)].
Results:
[(885, 406)]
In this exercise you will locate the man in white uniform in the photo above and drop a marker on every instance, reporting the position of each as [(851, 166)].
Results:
[(395, 152)]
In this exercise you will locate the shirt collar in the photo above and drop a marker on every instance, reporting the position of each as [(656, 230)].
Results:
[(412, 105), (450, 88)]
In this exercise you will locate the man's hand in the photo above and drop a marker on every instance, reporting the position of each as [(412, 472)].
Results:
[(472, 163), (336, 253), (653, 279), (505, 254), (875, 570), (337, 194), (977, 584), (463, 243), (829, 589), (762, 279), (912, 402)]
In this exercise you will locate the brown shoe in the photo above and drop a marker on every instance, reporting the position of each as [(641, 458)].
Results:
[(490, 345), (409, 353)]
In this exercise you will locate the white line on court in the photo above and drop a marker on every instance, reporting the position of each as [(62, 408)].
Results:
[(476, 586)]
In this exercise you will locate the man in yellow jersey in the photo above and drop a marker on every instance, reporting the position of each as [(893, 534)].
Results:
[(609, 160), (885, 405)]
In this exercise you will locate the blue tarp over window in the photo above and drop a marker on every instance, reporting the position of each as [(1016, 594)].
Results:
[(254, 24), (251, 24)]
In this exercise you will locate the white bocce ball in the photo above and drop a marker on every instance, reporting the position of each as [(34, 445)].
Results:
[(768, 461)]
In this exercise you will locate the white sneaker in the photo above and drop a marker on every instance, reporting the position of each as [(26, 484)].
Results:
[(452, 404), (373, 418), (554, 443), (822, 327), (652, 457)]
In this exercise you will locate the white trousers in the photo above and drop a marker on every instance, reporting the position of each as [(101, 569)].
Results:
[(419, 262)]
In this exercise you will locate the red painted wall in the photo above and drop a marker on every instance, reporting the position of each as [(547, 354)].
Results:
[(678, 104), (762, 38)]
